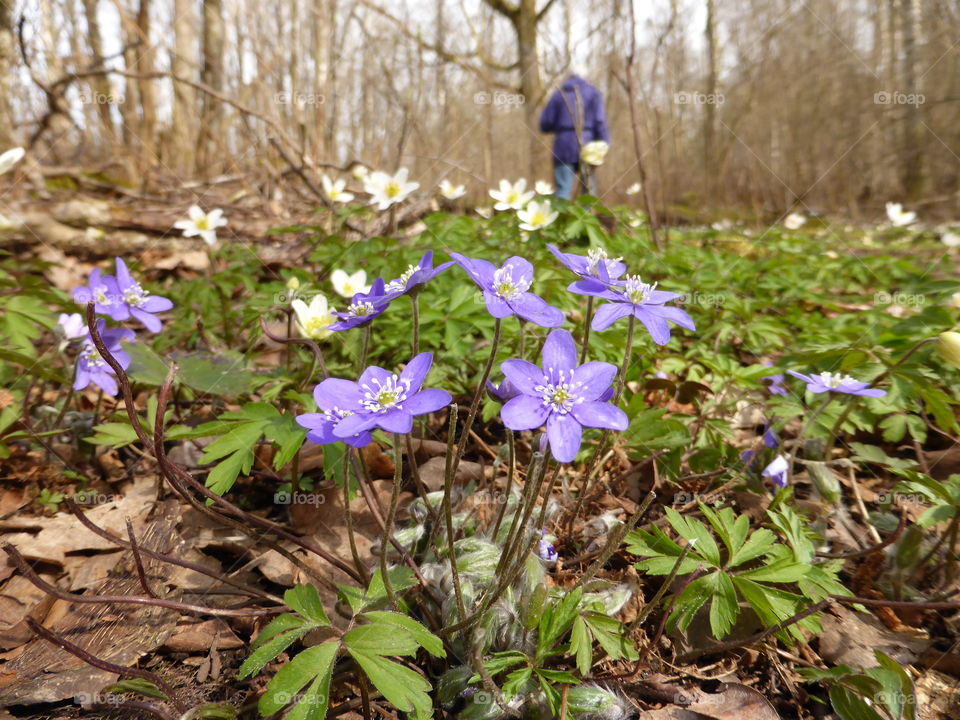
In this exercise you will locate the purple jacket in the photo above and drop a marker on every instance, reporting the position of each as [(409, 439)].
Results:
[(556, 118)]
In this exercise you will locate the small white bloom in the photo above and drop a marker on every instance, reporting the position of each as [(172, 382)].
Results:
[(537, 215), (335, 190), (593, 153), (633, 189), (451, 191), (349, 285), (484, 212), (360, 172), (543, 187), (203, 224), (71, 327), (11, 158), (897, 216), (951, 239), (314, 319), (794, 221), (722, 225), (386, 190), (512, 197), (954, 300)]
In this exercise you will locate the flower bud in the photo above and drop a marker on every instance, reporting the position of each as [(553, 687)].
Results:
[(293, 284), (948, 346)]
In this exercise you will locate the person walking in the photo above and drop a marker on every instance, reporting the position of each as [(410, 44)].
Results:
[(575, 116)]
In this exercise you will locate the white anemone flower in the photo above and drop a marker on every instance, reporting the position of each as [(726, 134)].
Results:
[(314, 319), (335, 190), (543, 187), (537, 215), (71, 327), (360, 172), (451, 191), (594, 153), (794, 221), (203, 224), (633, 189), (951, 239), (897, 216), (349, 285), (10, 158), (512, 197), (386, 190), (954, 300)]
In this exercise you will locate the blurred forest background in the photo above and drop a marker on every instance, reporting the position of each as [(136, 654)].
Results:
[(757, 104)]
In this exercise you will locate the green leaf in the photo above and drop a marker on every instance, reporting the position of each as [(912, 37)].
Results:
[(140, 686), (116, 435), (556, 620), (692, 529), (222, 477), (724, 609), (313, 664), (381, 639), (242, 437), (502, 660), (850, 706), (269, 650), (401, 686), (610, 635), (145, 365), (222, 375), (279, 624), (305, 600), (516, 681), (581, 645), (426, 639)]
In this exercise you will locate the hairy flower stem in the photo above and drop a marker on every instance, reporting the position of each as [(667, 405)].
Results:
[(530, 489), (627, 352), (475, 403), (415, 299), (388, 524), (348, 515), (521, 338), (448, 515), (586, 330), (367, 331), (511, 469), (803, 433)]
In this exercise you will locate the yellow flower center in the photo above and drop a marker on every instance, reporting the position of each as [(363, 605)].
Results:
[(392, 189)]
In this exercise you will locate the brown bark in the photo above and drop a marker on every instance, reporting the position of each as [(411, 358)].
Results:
[(6, 69)]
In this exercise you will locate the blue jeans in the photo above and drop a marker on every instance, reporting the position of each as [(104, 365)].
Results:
[(565, 174)]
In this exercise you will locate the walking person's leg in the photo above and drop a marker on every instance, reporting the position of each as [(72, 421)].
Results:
[(563, 176)]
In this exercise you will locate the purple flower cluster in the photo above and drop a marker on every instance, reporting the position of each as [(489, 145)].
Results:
[(120, 297), (835, 382)]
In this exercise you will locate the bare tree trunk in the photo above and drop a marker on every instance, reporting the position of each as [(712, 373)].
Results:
[(99, 84), (913, 157), (710, 107), (148, 109), (184, 65), (213, 49), (6, 73), (322, 29)]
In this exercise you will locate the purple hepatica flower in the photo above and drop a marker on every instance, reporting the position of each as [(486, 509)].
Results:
[(121, 296), (321, 424), (506, 290), (103, 291), (380, 399), (774, 382), (92, 368), (770, 440), (547, 551), (416, 276), (503, 392), (595, 265), (562, 395), (777, 471), (835, 382), (633, 297), (364, 307)]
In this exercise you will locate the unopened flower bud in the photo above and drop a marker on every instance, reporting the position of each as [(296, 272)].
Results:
[(948, 346)]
